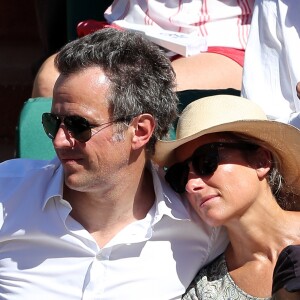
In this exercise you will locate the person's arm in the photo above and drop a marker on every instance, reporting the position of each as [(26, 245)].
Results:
[(283, 294)]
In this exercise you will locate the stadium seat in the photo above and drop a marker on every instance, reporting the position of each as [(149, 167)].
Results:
[(31, 140)]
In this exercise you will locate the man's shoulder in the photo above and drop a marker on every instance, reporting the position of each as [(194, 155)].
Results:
[(166, 189), (24, 181), (18, 168), (28, 176), (169, 202)]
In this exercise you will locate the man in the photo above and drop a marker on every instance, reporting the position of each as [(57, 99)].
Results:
[(97, 222)]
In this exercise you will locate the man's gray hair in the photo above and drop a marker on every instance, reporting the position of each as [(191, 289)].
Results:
[(141, 77)]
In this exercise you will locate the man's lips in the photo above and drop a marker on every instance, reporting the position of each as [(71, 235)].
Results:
[(69, 157)]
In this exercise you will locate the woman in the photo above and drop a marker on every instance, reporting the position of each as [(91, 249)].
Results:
[(241, 171)]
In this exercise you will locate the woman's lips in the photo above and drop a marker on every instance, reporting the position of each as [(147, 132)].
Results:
[(206, 199)]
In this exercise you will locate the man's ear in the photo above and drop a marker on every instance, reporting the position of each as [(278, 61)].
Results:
[(144, 125), (264, 162)]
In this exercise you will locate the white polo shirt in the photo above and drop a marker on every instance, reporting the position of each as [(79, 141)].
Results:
[(46, 254)]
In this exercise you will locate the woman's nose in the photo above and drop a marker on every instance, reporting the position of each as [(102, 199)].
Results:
[(194, 183)]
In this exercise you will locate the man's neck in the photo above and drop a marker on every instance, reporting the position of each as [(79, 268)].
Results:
[(103, 215)]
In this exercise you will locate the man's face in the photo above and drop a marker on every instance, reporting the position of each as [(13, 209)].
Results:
[(96, 163)]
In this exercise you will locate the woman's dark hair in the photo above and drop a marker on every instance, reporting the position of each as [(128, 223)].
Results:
[(283, 193)]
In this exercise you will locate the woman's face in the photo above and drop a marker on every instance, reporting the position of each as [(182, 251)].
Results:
[(225, 194)]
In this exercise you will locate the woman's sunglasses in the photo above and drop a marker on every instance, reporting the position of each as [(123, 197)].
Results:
[(78, 127), (205, 161)]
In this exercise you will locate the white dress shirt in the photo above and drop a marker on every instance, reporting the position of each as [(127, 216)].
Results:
[(272, 59), (45, 254)]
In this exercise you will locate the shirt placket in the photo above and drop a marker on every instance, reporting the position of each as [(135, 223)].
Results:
[(95, 278)]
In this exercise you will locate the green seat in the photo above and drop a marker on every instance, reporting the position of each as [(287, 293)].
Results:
[(31, 140)]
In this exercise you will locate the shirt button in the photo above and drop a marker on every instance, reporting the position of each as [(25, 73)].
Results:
[(99, 256), (102, 256)]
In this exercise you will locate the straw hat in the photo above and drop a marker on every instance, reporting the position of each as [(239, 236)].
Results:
[(232, 113)]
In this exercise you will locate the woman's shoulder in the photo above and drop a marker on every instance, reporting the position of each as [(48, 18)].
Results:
[(206, 282), (214, 282)]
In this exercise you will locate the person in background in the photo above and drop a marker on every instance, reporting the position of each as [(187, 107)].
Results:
[(286, 277), (51, 18), (223, 24), (98, 221), (272, 60), (241, 171)]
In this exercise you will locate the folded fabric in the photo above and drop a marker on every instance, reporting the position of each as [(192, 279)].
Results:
[(287, 270)]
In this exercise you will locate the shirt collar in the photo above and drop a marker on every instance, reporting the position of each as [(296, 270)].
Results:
[(167, 204), (167, 201), (56, 180)]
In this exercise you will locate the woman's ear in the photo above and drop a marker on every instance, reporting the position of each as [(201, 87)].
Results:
[(263, 160), (144, 125)]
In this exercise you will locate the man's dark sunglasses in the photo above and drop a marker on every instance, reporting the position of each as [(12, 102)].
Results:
[(78, 127), (205, 161)]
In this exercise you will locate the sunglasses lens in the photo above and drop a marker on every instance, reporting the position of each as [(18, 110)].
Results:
[(51, 124), (79, 128), (177, 177), (205, 162)]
